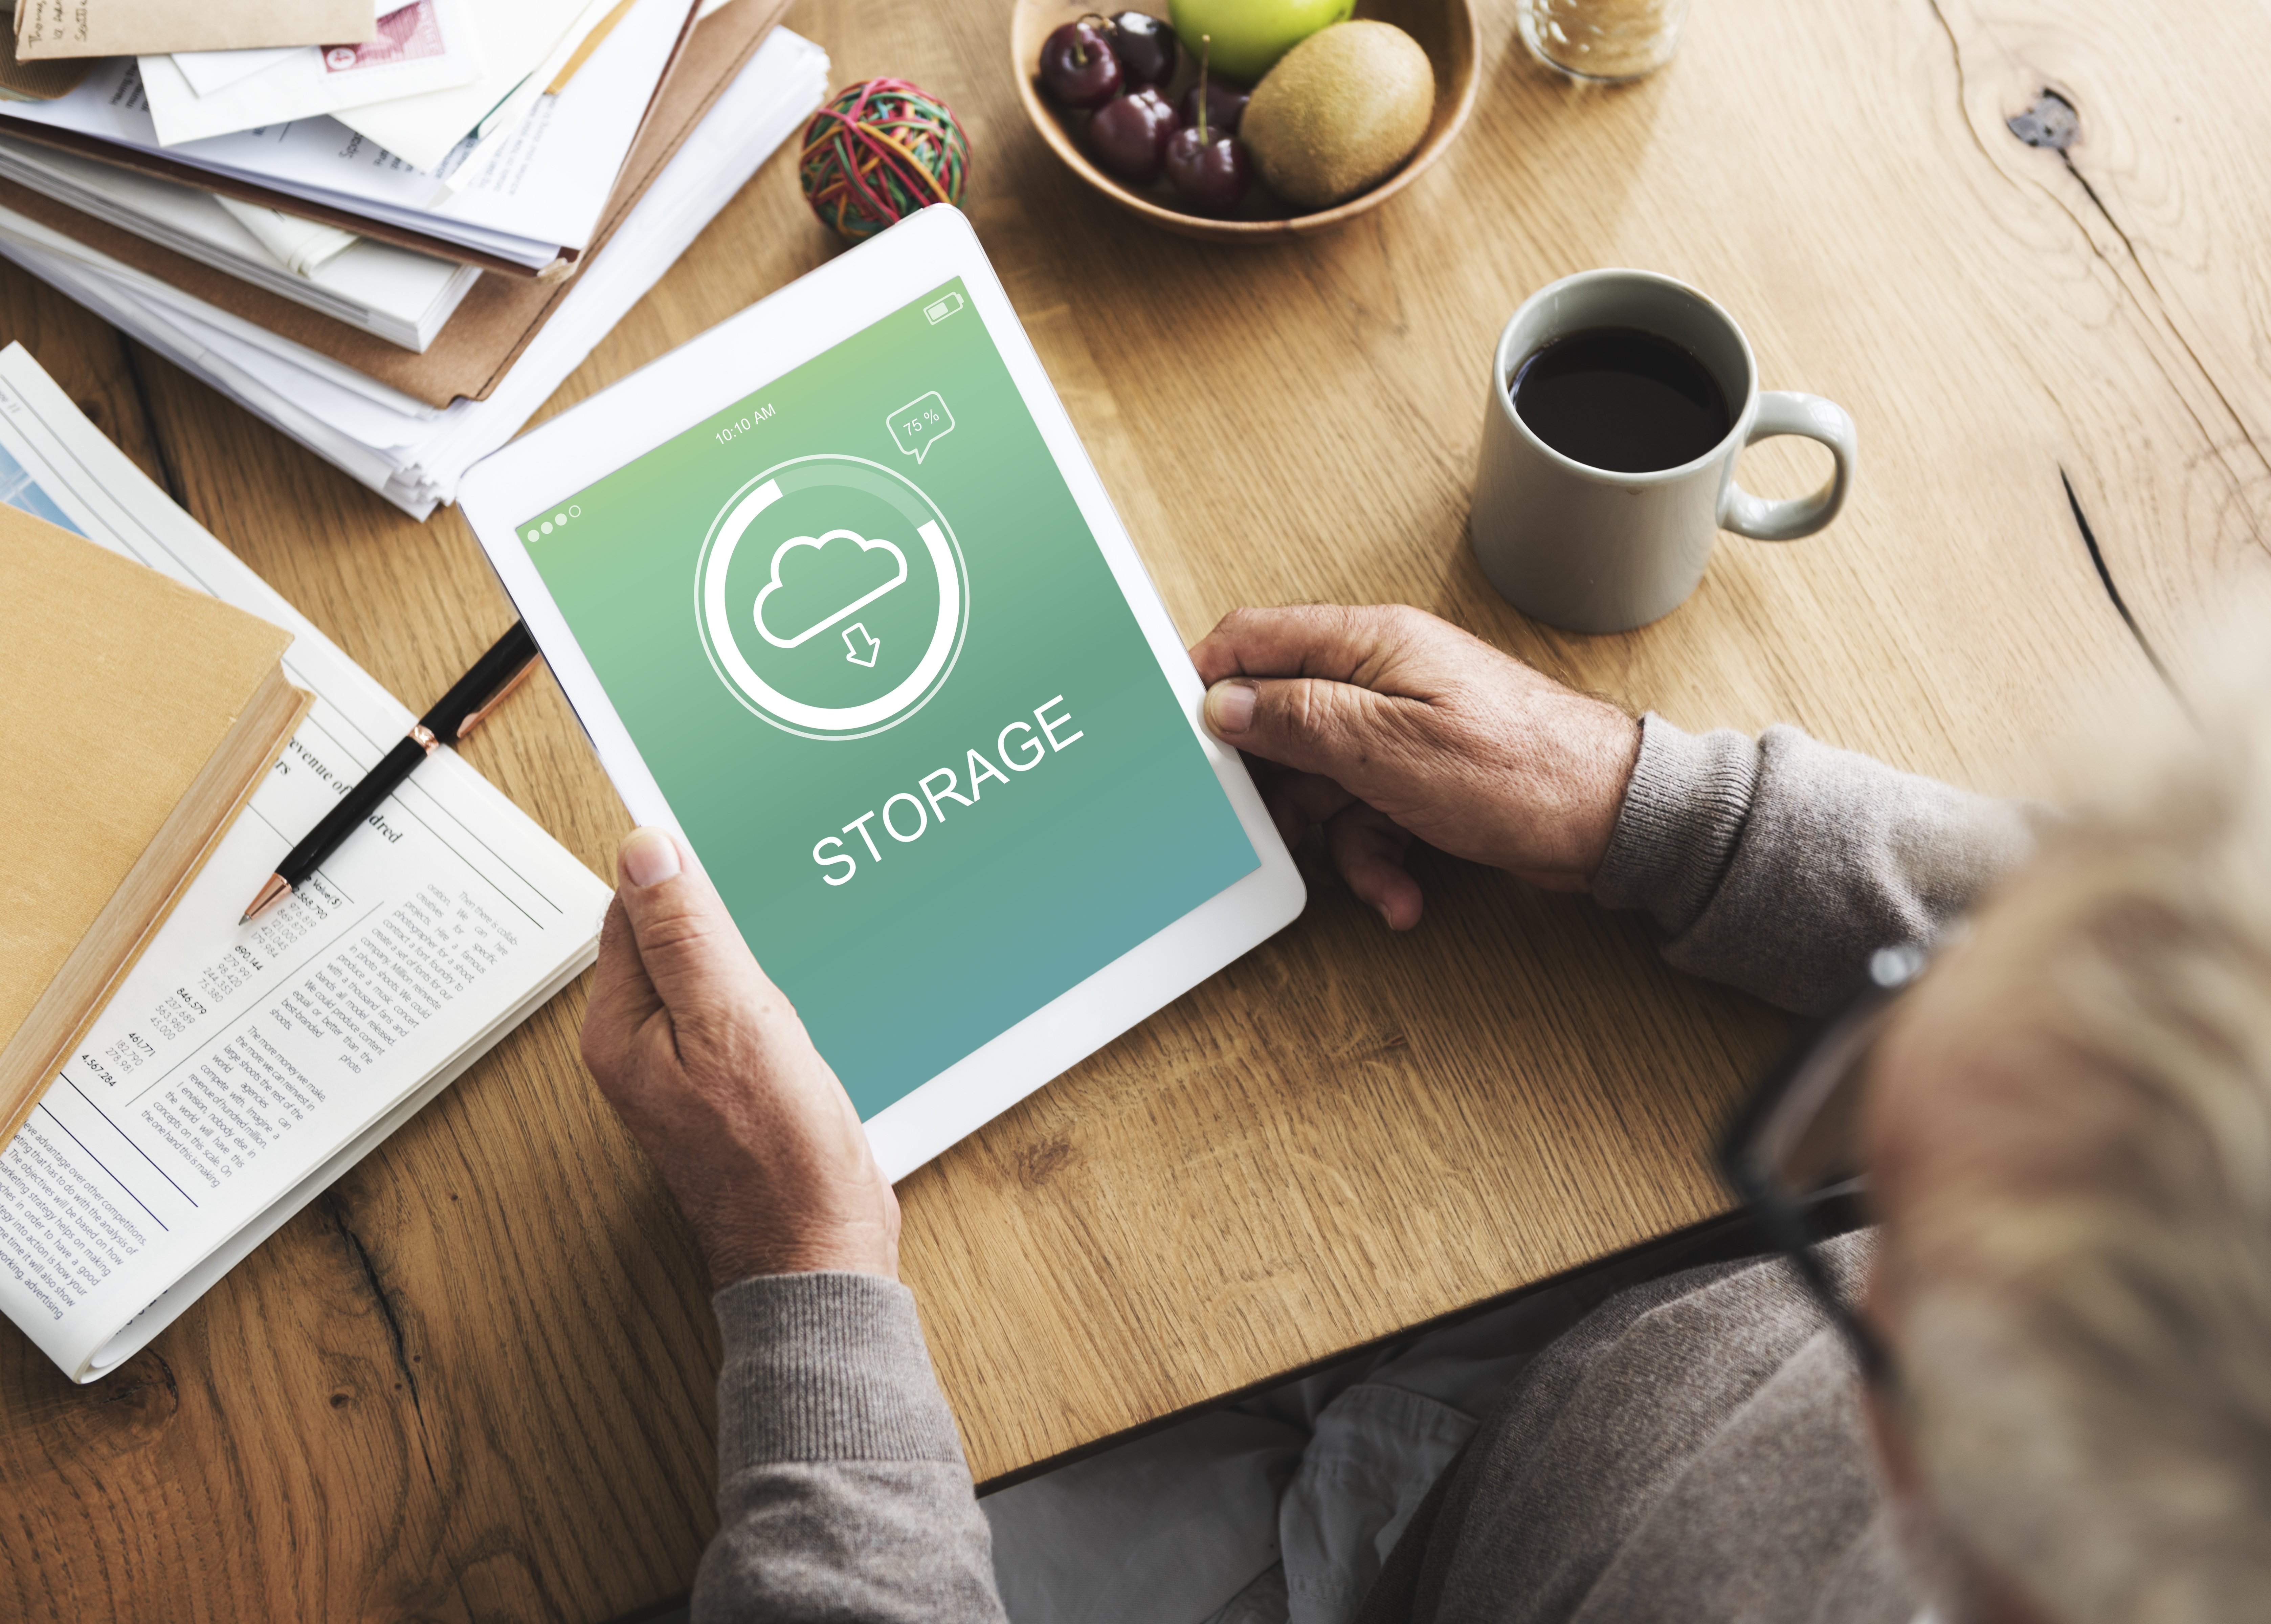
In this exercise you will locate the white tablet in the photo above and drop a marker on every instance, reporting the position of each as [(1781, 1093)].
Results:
[(839, 597)]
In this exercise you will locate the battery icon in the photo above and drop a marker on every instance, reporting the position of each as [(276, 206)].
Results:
[(941, 309)]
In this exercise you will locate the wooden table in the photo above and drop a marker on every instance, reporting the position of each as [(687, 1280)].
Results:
[(473, 1380)]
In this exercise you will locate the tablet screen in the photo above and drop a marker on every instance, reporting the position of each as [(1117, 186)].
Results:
[(870, 651)]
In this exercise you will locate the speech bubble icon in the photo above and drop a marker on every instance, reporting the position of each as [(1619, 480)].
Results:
[(920, 424)]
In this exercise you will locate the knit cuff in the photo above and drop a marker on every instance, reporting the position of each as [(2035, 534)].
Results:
[(826, 1367), (1683, 815)]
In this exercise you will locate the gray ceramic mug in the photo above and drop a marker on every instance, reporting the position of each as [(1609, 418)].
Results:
[(1589, 550)]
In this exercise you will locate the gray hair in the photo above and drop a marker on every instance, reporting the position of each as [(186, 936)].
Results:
[(2088, 1352)]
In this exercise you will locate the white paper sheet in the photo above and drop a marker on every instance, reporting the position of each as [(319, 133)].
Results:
[(550, 177), (240, 1070), (516, 36), (428, 44), (300, 246)]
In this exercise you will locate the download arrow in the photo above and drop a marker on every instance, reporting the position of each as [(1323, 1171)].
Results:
[(859, 648)]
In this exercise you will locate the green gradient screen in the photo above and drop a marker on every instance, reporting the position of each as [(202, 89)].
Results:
[(872, 654)]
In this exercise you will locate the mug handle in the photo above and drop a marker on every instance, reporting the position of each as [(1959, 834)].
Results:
[(1787, 518)]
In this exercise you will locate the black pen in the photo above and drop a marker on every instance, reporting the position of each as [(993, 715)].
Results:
[(469, 701)]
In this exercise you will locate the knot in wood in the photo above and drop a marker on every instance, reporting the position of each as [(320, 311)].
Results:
[(2052, 121)]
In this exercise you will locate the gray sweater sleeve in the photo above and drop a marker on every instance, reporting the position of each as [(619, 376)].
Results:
[(842, 1493), (1778, 864)]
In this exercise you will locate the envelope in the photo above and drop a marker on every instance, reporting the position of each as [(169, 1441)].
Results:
[(141, 27), (426, 45)]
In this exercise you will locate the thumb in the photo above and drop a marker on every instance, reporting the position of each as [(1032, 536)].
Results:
[(687, 944), (1339, 730)]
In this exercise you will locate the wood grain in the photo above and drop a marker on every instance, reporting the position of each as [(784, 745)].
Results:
[(472, 1380)]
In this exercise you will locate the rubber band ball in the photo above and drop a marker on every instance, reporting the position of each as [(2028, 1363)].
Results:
[(879, 151)]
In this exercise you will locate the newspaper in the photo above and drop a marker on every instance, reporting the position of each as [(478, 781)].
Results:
[(239, 1070)]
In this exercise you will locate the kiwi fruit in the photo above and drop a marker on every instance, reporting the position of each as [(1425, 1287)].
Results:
[(1339, 113)]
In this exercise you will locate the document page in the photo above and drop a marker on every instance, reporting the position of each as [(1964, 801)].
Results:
[(239, 1070)]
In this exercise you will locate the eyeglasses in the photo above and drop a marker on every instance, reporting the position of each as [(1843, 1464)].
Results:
[(1799, 1141)]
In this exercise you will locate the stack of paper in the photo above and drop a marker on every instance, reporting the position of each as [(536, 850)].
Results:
[(401, 296), (401, 366), (517, 184), (421, 79)]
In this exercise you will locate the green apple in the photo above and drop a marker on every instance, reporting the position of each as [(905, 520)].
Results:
[(1250, 35)]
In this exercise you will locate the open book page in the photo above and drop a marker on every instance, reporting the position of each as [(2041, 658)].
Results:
[(239, 1070)]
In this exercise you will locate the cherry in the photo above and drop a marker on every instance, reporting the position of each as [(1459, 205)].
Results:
[(1147, 49), (1206, 164), (1078, 66), (1129, 134), (1212, 175), (1225, 105)]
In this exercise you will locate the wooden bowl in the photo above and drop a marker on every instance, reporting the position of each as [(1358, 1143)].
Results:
[(1444, 30)]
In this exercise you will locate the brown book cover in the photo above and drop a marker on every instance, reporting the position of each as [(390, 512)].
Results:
[(141, 716), (470, 357)]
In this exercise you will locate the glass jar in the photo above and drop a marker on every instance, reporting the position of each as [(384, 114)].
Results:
[(1607, 41)]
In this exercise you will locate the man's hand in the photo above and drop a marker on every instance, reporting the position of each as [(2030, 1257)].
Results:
[(1384, 723), (710, 1070)]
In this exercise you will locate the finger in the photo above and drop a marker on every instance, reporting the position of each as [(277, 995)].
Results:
[(1291, 824), (1367, 847), (622, 998), (1360, 739), (1360, 644), (1316, 799), (687, 944)]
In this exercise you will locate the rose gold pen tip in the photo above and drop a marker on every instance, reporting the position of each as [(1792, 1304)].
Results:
[(271, 893)]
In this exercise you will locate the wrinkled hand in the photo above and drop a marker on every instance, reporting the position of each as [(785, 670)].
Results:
[(1380, 724), (710, 1070)]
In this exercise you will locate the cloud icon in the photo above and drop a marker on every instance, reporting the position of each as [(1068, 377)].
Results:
[(831, 585)]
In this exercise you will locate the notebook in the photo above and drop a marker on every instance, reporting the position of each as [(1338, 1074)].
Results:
[(140, 716), (238, 1071)]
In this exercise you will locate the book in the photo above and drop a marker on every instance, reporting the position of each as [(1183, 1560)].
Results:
[(237, 1071), (140, 715)]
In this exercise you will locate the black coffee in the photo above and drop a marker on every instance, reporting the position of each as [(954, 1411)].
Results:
[(1622, 399)]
